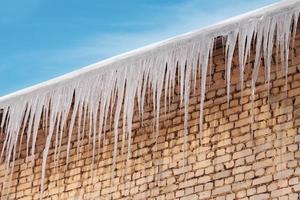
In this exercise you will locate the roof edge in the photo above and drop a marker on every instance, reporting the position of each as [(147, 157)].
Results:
[(152, 47)]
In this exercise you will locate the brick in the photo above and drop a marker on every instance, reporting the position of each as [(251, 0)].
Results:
[(294, 92), (190, 197), (260, 196), (241, 154), (241, 194), (283, 174), (263, 164), (204, 195), (221, 190), (294, 181), (297, 138), (222, 174), (296, 188), (203, 179), (242, 169), (179, 193), (261, 180), (241, 185), (181, 170), (188, 183), (280, 192), (222, 159)]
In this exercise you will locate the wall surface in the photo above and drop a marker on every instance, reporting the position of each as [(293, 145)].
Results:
[(232, 159)]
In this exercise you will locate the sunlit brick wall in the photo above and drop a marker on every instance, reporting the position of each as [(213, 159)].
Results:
[(224, 162)]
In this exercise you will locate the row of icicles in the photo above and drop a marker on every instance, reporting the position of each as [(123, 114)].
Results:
[(101, 98)]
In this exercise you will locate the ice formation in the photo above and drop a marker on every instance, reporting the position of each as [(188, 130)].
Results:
[(107, 91)]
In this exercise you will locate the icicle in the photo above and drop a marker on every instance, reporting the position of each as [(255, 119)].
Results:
[(120, 90), (54, 111), (4, 117), (257, 61), (60, 103), (167, 87), (131, 87), (25, 122), (230, 46), (143, 95), (244, 43), (84, 122), (287, 34), (102, 91), (294, 31), (129, 103), (186, 108), (94, 118), (159, 86), (73, 117), (80, 111), (62, 118), (104, 101), (268, 56), (112, 97), (204, 55), (191, 69), (36, 124), (211, 64), (139, 94), (10, 143), (33, 112), (182, 67), (58, 134)]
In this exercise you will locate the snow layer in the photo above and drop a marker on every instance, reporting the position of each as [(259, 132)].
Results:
[(107, 90)]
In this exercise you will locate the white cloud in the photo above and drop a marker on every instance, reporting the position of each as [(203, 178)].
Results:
[(182, 18), (179, 18)]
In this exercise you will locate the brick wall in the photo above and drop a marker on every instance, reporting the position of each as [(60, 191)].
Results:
[(225, 162)]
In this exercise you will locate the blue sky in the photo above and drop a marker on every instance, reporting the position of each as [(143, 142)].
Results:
[(42, 39)]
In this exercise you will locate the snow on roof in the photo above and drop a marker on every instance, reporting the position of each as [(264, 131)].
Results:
[(215, 30)]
